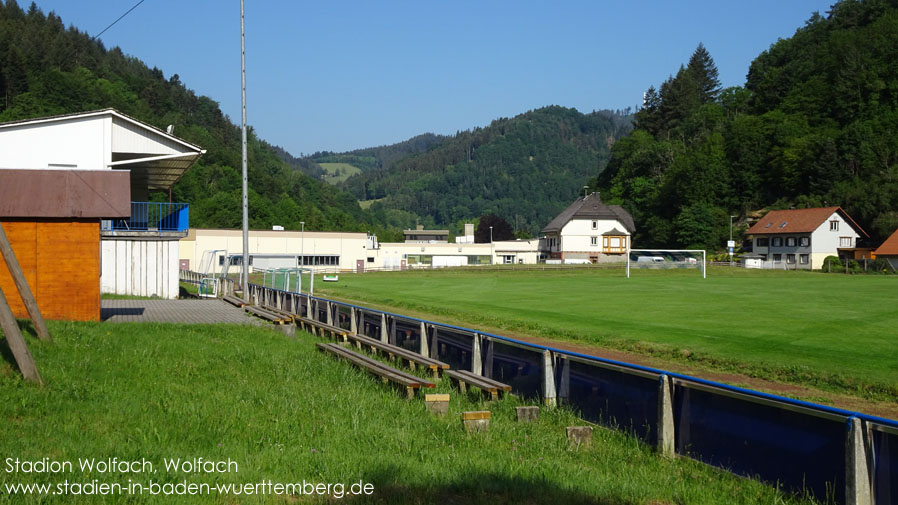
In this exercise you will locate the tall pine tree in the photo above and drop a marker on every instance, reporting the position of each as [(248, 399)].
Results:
[(704, 74)]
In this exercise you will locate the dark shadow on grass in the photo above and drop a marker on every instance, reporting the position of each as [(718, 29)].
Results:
[(27, 329), (480, 488)]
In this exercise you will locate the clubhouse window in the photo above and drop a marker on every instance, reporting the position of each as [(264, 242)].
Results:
[(804, 241), (777, 258), (845, 242), (790, 259), (595, 225), (804, 259), (763, 242), (594, 241), (833, 226), (777, 242), (790, 241)]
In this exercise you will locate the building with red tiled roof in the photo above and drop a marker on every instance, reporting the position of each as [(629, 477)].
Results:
[(889, 250), (803, 238)]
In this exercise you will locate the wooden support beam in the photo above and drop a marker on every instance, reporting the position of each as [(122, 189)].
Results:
[(15, 270), (17, 342)]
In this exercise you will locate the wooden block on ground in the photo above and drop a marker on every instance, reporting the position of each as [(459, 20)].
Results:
[(579, 436), (476, 421), (527, 414), (289, 330), (437, 404)]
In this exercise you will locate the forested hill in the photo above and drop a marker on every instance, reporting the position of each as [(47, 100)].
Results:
[(46, 69), (525, 169), (816, 124), (383, 156)]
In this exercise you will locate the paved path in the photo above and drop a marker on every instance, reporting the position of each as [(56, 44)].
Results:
[(173, 311)]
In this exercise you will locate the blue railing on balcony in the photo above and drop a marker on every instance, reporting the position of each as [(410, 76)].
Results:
[(153, 216)]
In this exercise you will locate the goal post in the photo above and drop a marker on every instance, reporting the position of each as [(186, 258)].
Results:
[(667, 259)]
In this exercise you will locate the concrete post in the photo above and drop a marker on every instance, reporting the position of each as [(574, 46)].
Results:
[(549, 379), (425, 350), (330, 313), (858, 452), (666, 441), (476, 358), (384, 336), (354, 323)]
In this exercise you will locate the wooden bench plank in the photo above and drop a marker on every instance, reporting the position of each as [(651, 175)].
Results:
[(465, 378), (275, 310), (412, 357), (233, 300), (410, 382), (335, 331), (264, 314)]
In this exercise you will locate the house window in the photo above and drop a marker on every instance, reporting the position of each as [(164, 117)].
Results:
[(804, 241), (790, 241), (790, 259), (508, 259), (594, 241), (804, 259), (777, 258), (370, 259), (845, 242), (595, 226), (777, 242), (763, 242), (833, 226)]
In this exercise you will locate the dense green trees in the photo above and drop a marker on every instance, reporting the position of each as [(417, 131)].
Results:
[(492, 228), (525, 169), (46, 69), (816, 124)]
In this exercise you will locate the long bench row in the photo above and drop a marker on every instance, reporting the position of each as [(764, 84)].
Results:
[(462, 378)]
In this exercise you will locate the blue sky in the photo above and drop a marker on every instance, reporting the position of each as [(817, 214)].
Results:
[(344, 75)]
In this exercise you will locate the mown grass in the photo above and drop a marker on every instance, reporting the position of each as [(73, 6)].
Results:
[(834, 332), (347, 171), (288, 413)]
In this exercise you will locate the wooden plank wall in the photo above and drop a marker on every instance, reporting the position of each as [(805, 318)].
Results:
[(61, 261)]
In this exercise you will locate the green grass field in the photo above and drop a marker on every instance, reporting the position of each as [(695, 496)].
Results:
[(287, 413), (346, 171), (835, 332)]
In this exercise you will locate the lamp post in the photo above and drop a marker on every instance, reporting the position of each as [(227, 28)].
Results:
[(731, 244), (492, 248)]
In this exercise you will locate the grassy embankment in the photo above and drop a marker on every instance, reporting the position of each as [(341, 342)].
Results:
[(833, 332), (287, 413)]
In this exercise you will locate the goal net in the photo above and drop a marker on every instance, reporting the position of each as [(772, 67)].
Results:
[(296, 280), (666, 259)]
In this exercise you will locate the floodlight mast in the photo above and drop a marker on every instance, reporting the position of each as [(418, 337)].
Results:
[(244, 272)]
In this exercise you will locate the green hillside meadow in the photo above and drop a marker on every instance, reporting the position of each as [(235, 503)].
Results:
[(338, 172), (276, 410), (831, 331)]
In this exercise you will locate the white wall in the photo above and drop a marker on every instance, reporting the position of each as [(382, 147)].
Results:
[(577, 234), (84, 142), (349, 246), (139, 267), (825, 242)]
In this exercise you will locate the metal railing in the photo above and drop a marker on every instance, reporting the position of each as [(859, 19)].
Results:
[(834, 454), (152, 216)]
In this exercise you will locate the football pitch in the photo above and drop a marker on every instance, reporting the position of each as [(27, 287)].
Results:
[(830, 331)]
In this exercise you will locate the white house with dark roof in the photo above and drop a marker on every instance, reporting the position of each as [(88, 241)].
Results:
[(803, 238), (589, 231)]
